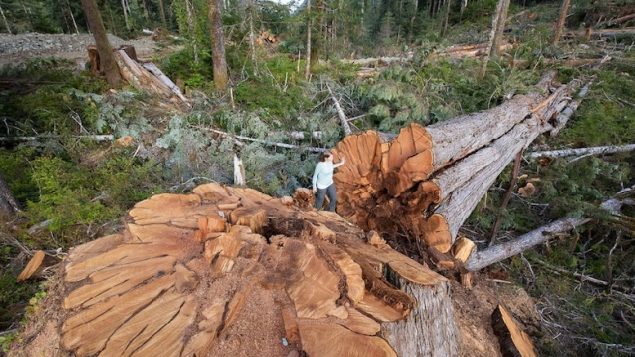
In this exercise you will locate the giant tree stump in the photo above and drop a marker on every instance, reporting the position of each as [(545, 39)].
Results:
[(191, 273)]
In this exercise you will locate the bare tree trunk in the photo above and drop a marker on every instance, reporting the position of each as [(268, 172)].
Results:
[(492, 36), (317, 38), (252, 45), (500, 28), (221, 76), (104, 48), (190, 25), (412, 21), (146, 15), (70, 12), (125, 14), (6, 23), (307, 71), (8, 205), (561, 21), (162, 13), (446, 17), (463, 6)]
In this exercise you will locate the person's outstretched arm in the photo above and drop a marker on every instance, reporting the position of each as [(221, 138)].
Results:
[(342, 162)]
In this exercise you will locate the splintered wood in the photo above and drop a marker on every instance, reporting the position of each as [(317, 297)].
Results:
[(192, 273), (513, 340), (424, 182)]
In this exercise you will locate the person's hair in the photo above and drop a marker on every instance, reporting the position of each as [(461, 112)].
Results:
[(324, 156)]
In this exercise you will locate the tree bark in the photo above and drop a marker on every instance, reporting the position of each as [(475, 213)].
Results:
[(507, 197), (500, 29), (162, 14), (425, 182), (307, 70), (107, 60), (597, 150), (564, 10), (340, 113), (446, 17), (502, 251), (191, 28), (317, 45), (221, 76), (430, 329), (125, 14), (492, 36), (8, 205)]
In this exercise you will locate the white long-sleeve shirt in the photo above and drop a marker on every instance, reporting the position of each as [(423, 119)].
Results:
[(323, 176)]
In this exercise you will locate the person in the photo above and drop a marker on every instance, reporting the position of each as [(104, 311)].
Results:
[(323, 180)]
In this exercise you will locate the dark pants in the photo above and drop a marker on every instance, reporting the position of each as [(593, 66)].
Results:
[(330, 191)]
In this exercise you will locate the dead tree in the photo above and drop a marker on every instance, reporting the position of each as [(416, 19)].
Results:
[(107, 60)]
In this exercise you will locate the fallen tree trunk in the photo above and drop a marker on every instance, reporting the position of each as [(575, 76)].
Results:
[(44, 137), (340, 113), (627, 31), (500, 252), (425, 182), (596, 150), (147, 77)]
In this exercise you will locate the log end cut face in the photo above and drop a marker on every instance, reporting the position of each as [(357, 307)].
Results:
[(225, 271)]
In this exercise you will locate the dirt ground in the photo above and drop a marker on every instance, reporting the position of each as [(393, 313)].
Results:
[(15, 49)]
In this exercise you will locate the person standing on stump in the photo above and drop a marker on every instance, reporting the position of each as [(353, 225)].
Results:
[(323, 180)]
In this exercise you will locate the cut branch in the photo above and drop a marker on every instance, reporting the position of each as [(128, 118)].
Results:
[(596, 150), (340, 113), (499, 252)]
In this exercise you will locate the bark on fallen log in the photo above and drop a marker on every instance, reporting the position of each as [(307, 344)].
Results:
[(147, 77), (45, 137), (563, 118), (425, 182), (340, 113), (264, 142), (596, 150), (500, 252), (628, 31)]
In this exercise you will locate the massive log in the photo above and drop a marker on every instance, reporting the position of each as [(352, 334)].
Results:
[(191, 272), (424, 182)]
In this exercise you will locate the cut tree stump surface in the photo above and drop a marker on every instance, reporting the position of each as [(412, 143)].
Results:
[(188, 276)]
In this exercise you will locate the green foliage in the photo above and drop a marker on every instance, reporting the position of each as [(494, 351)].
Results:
[(600, 121), (64, 199), (11, 294), (57, 106)]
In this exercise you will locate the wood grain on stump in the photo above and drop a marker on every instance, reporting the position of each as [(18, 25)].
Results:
[(191, 273)]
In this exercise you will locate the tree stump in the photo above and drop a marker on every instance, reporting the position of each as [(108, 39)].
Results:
[(190, 273)]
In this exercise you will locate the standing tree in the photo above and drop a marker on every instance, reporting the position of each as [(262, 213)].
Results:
[(317, 39), (104, 48), (218, 45), (496, 31), (500, 28), (561, 20), (307, 70), (162, 13)]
